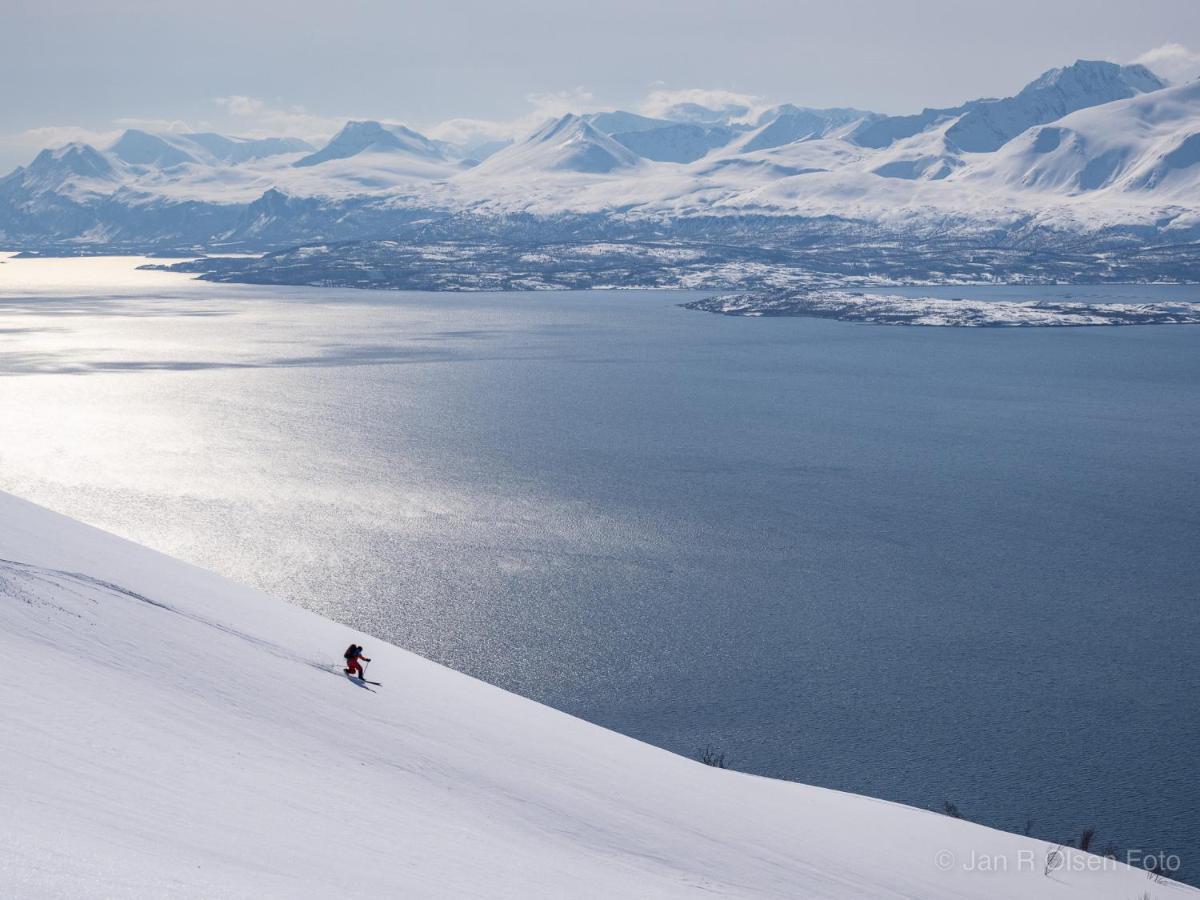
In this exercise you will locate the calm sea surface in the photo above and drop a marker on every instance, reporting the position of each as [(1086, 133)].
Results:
[(923, 564)]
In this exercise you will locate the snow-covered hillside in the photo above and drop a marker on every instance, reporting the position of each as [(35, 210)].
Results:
[(1149, 143), (171, 734)]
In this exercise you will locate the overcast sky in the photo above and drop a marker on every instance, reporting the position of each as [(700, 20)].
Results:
[(75, 69)]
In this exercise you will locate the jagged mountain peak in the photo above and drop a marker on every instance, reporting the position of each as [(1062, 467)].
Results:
[(1085, 76), (987, 125), (76, 156), (54, 169)]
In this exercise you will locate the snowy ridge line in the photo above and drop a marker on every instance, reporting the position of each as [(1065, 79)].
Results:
[(891, 309), (165, 756)]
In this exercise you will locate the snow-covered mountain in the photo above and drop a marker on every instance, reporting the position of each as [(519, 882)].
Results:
[(1090, 148), (374, 137), (171, 734), (662, 140), (569, 144), (1148, 144), (73, 169), (787, 124), (985, 125)]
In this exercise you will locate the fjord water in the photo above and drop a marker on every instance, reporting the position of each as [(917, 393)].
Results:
[(922, 564)]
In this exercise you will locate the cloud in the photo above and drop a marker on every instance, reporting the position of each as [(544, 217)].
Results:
[(155, 125), (253, 117), (553, 104), (1174, 62), (31, 141), (660, 102), (240, 105)]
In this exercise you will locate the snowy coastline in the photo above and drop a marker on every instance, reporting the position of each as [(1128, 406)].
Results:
[(891, 309)]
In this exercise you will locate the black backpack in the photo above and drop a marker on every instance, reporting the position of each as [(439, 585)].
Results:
[(351, 651)]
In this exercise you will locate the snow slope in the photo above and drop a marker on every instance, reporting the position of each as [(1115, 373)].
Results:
[(1150, 142), (169, 733)]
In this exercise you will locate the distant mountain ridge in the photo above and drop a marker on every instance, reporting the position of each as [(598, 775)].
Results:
[(141, 148), (986, 125), (1090, 147)]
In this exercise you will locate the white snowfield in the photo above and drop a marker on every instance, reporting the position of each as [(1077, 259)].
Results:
[(167, 733)]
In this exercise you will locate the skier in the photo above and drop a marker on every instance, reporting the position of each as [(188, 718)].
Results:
[(353, 654)]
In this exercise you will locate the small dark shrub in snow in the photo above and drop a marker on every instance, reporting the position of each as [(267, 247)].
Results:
[(1086, 838), (951, 810), (711, 757), (1054, 859)]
